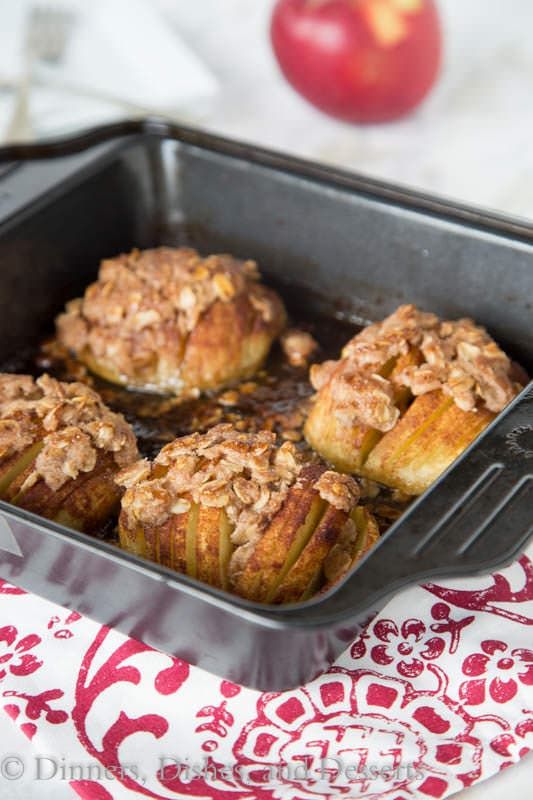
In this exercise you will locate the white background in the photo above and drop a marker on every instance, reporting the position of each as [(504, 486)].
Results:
[(471, 140)]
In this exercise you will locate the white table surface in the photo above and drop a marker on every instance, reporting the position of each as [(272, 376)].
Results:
[(470, 141)]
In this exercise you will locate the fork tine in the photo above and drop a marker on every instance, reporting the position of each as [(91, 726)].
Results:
[(46, 34), (49, 27)]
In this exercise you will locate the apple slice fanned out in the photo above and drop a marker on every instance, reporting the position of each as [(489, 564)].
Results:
[(345, 555), (306, 575), (13, 466), (347, 446), (207, 545), (62, 449), (212, 547), (195, 542), (281, 545), (83, 503), (428, 438)]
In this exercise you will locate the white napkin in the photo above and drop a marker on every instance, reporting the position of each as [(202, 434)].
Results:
[(118, 50)]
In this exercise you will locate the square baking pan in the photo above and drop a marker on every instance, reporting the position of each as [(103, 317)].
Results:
[(357, 248)]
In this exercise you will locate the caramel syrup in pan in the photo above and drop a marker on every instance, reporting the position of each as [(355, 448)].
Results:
[(275, 399)]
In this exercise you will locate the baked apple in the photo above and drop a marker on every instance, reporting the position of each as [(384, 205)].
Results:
[(168, 321), (60, 448), (407, 396), (242, 514)]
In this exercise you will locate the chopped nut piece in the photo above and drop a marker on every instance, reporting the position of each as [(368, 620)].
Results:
[(368, 488), (224, 286), (365, 398), (133, 474), (298, 346), (181, 506), (247, 491), (291, 435), (337, 562), (340, 490), (65, 454), (229, 398), (321, 374), (13, 437)]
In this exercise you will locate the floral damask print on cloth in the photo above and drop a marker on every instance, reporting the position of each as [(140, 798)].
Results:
[(421, 705), (16, 657), (501, 594), (508, 668)]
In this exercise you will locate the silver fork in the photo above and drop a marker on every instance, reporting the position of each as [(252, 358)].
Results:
[(46, 35)]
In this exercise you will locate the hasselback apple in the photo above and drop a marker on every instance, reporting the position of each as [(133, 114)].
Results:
[(243, 514), (167, 320), (407, 396)]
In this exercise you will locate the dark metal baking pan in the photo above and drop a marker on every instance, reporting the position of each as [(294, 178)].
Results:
[(362, 247)]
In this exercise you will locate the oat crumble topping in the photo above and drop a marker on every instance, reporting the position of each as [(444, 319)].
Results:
[(71, 422), (247, 474), (460, 358)]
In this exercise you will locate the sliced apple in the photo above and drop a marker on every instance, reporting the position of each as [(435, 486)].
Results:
[(83, 503), (281, 544), (15, 465), (306, 571), (314, 585), (178, 541), (347, 448), (131, 537), (190, 540), (343, 559), (166, 543), (208, 545), (91, 504), (368, 530), (427, 439), (225, 549)]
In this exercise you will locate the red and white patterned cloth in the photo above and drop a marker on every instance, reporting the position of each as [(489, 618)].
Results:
[(436, 694)]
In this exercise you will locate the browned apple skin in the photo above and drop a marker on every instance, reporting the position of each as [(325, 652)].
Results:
[(267, 560), (229, 343), (195, 552), (432, 433), (307, 568), (12, 466), (84, 503)]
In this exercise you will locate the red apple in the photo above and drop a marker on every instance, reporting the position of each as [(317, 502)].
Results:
[(359, 60)]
